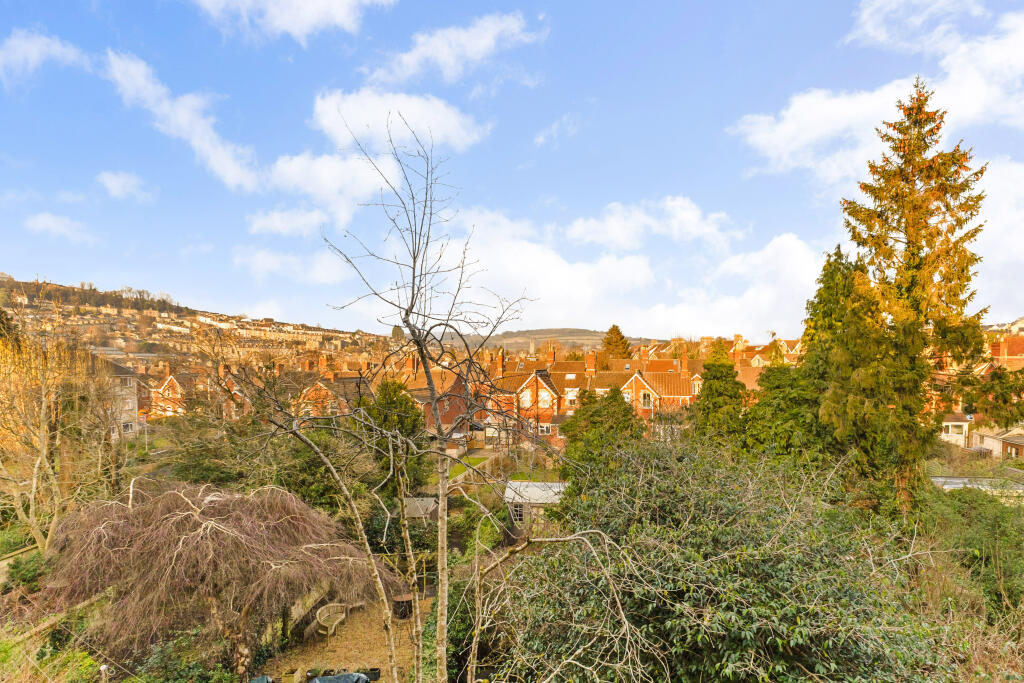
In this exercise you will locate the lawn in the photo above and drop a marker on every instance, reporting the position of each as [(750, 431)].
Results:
[(473, 460)]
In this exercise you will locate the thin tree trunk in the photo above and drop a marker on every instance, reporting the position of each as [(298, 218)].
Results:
[(417, 633), (350, 502)]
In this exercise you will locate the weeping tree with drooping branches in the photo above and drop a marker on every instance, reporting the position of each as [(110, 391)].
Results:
[(171, 557)]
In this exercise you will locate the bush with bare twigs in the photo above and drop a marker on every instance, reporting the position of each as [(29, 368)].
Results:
[(173, 557)]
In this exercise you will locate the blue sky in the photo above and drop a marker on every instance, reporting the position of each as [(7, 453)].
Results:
[(675, 168)]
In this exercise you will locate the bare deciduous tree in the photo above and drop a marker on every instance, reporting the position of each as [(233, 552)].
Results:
[(58, 420), (421, 278)]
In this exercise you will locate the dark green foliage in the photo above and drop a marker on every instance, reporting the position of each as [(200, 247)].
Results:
[(599, 425), (392, 410), (784, 419), (988, 539), (907, 314), (303, 473), (615, 343), (718, 411), (460, 632), (728, 571), (181, 660), (998, 397), (27, 571)]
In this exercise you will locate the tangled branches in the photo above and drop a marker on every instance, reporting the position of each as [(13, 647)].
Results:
[(175, 556)]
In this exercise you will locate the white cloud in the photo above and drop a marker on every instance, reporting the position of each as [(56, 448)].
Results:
[(184, 117), (296, 18), (25, 51), (738, 293), (998, 281), (122, 185), (59, 226), (368, 111), (832, 134), (911, 24), (624, 226), (456, 49), (290, 222), (566, 126), (322, 267), (338, 184)]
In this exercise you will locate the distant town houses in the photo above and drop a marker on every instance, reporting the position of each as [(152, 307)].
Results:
[(162, 351)]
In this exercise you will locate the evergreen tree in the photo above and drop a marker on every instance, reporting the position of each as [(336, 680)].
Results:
[(615, 343), (595, 429), (397, 333), (718, 411), (393, 410), (783, 421), (906, 314)]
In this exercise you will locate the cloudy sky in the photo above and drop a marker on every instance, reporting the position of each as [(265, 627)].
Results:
[(674, 167)]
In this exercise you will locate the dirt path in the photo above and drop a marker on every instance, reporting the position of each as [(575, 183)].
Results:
[(359, 644)]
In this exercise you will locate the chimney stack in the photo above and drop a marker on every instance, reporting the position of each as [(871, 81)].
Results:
[(591, 360), (501, 363), (551, 355)]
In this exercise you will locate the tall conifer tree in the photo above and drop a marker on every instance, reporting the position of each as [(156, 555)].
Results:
[(907, 334), (615, 343)]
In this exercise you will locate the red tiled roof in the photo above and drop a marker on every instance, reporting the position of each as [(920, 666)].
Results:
[(606, 379), (668, 383)]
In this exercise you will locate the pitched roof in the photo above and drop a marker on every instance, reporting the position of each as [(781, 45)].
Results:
[(672, 384), (568, 366), (349, 388), (536, 492), (606, 379)]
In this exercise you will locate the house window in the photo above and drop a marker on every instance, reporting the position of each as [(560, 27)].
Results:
[(696, 386), (126, 381), (570, 395), (524, 399), (544, 430), (627, 366), (645, 399), (1012, 451), (127, 427), (570, 375), (544, 399), (517, 513)]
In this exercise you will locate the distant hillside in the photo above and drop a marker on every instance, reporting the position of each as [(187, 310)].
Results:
[(517, 340), (87, 295)]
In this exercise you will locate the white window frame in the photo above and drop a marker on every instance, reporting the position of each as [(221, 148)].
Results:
[(517, 512)]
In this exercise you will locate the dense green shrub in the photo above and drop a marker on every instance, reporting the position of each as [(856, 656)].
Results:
[(724, 571), (26, 571), (988, 539), (180, 661), (13, 537)]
